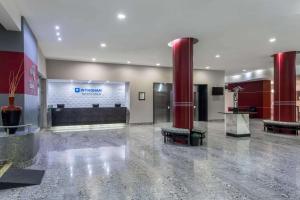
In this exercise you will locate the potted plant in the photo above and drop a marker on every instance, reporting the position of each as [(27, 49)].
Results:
[(11, 114)]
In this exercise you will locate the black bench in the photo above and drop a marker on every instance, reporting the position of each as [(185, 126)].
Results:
[(173, 133), (270, 124)]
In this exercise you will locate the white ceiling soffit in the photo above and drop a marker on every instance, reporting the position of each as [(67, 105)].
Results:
[(238, 30), (84, 81), (10, 16)]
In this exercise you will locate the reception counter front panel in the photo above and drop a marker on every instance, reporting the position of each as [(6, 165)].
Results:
[(87, 116)]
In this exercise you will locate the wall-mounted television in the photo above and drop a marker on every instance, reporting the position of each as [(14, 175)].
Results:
[(216, 91)]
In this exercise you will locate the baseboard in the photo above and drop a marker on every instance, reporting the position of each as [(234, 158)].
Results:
[(216, 120), (238, 135), (141, 123)]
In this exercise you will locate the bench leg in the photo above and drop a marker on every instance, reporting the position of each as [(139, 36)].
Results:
[(165, 140)]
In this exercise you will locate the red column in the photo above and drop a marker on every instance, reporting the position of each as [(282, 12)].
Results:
[(183, 114), (285, 86)]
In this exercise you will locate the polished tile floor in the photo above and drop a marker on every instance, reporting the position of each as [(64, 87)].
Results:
[(131, 162)]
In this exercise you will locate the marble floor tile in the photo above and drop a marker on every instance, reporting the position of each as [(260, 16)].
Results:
[(132, 162)]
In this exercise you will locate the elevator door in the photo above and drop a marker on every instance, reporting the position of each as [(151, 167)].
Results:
[(202, 103), (162, 102)]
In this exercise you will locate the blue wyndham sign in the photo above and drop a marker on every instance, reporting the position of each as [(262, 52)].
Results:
[(88, 90)]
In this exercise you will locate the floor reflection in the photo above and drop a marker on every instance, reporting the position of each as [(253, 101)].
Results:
[(132, 162)]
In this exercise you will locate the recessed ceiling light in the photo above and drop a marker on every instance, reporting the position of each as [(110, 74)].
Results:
[(59, 39), (107, 81), (128, 62), (94, 59), (170, 44), (272, 82), (57, 33), (121, 16), (207, 67), (218, 56), (272, 40), (103, 45), (244, 70), (57, 27), (89, 81), (157, 64)]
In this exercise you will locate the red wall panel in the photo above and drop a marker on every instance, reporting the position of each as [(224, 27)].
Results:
[(255, 94), (10, 61)]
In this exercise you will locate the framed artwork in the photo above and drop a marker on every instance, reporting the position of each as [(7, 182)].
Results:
[(142, 96)]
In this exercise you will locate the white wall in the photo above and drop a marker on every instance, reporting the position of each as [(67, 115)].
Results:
[(41, 63), (10, 16), (228, 100), (140, 79), (260, 74), (64, 93)]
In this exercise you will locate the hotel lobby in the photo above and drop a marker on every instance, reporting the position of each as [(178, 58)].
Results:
[(149, 100)]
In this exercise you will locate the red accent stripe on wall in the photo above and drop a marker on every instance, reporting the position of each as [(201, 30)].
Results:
[(255, 94)]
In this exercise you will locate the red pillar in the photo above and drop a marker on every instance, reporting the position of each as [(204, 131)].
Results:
[(285, 86), (183, 114)]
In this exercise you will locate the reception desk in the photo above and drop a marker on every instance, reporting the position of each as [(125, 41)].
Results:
[(87, 116), (237, 124)]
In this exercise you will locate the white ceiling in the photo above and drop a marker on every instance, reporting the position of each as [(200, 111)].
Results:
[(238, 30)]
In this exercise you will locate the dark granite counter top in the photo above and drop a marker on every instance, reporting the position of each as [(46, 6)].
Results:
[(86, 116)]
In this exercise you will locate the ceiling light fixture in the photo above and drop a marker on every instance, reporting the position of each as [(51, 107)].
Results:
[(59, 39), (89, 81), (57, 27), (207, 67), (103, 45), (57, 33), (121, 16), (272, 40), (128, 62), (94, 59), (157, 64), (244, 70), (218, 56)]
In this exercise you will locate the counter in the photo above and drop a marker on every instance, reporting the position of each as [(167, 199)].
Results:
[(20, 149), (237, 124), (86, 116)]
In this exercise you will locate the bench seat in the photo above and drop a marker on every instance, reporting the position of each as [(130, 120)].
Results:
[(176, 133), (173, 133), (271, 124)]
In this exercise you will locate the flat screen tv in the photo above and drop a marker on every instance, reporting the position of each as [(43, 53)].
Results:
[(217, 91)]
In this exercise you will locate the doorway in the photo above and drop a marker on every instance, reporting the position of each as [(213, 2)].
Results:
[(162, 102), (163, 99), (200, 101)]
